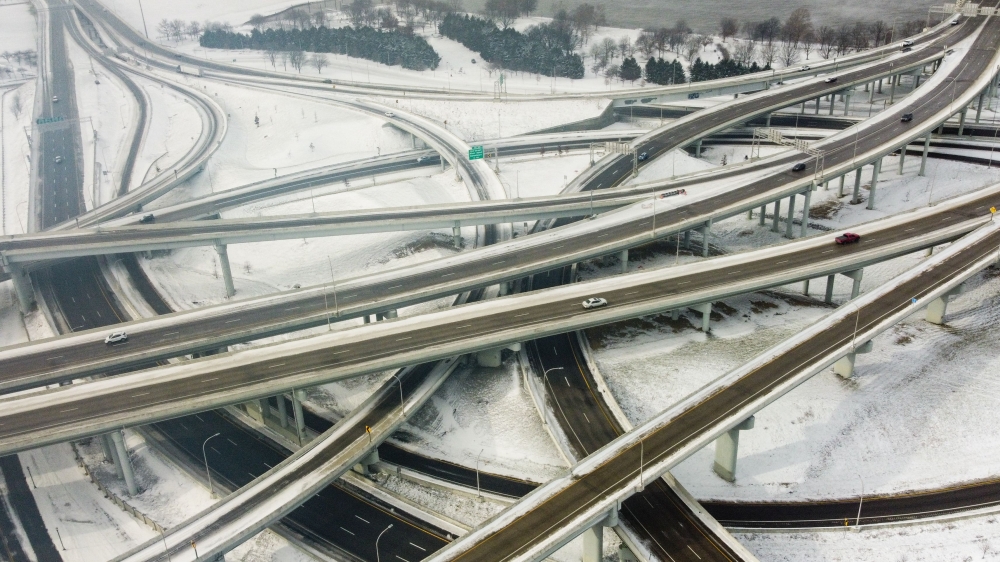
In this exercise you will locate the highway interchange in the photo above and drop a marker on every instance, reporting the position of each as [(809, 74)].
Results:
[(520, 258)]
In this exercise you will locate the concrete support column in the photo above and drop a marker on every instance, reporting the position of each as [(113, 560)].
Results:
[(847, 102), (763, 212), (110, 444), (106, 447), (791, 216), (805, 287), (767, 124), (727, 448), (706, 231), (22, 286), (840, 190), (828, 299), (392, 314), (364, 466), (961, 121), (923, 158), (456, 235), (979, 106), (817, 107), (939, 306), (623, 257), (489, 357), (902, 158), (300, 421), (227, 272), (833, 100), (856, 275), (697, 149), (282, 411), (775, 219), (367, 319), (706, 315), (871, 93), (871, 193), (845, 365), (687, 239), (593, 538), (805, 213), (892, 90), (124, 462), (856, 198)]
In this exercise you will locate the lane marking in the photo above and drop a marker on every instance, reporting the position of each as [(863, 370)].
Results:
[(827, 252), (567, 382), (69, 410), (231, 441), (520, 315), (585, 417), (632, 293), (363, 519), (211, 379), (231, 321), (138, 395), (406, 338), (394, 287), (781, 262), (466, 326), (339, 352), (693, 552), (448, 274), (346, 531), (294, 308), (171, 334), (498, 262), (418, 547), (276, 366)]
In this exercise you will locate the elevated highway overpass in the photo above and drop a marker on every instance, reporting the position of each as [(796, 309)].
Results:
[(93, 407), (213, 327)]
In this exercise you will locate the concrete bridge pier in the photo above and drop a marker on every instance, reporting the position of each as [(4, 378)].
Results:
[(227, 272), (775, 218), (961, 121), (282, 411), (871, 193), (706, 231), (939, 306), (856, 275), (856, 198), (623, 258), (892, 88), (298, 396), (845, 365), (923, 157), (456, 235), (22, 285), (763, 212), (902, 158), (124, 462), (492, 357), (697, 149), (847, 102), (805, 211), (791, 216), (705, 309), (828, 298), (979, 105), (833, 102), (726, 449), (364, 466), (390, 314), (111, 453), (687, 239), (593, 538), (626, 555), (840, 190)]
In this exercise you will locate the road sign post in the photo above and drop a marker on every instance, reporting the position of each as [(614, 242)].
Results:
[(476, 153)]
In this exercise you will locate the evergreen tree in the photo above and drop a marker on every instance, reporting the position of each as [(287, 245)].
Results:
[(630, 70)]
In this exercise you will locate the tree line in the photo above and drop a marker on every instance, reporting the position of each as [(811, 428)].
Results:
[(543, 49), (389, 47)]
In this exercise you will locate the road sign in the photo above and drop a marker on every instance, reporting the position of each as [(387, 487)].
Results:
[(993, 210), (476, 153), (48, 120)]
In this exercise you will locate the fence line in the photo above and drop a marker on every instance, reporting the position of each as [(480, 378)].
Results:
[(113, 496)]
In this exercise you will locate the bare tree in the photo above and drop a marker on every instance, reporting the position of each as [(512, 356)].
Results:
[(827, 41), (797, 26), (843, 43), (768, 52), (729, 27), (194, 29), (789, 53), (745, 52), (625, 47), (15, 105), (692, 47), (646, 44), (297, 59), (860, 36), (271, 53), (608, 49), (318, 61), (586, 17), (879, 32), (284, 60), (319, 19)]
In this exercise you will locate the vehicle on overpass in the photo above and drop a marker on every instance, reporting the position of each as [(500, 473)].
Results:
[(848, 238), (594, 302)]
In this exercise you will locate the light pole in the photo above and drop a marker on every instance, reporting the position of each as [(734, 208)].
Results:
[(545, 375), (377, 559), (479, 492), (857, 521), (400, 390), (208, 473)]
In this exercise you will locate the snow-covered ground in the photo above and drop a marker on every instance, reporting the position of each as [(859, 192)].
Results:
[(174, 127), (18, 32), (970, 539), (486, 412), (16, 165), (894, 423)]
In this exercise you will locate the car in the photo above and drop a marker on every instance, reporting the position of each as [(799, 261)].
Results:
[(116, 337), (594, 302), (906, 118), (422, 159), (58, 159), (799, 167), (473, 61), (147, 218), (643, 157), (908, 43), (831, 80), (848, 238), (327, 81), (55, 99), (389, 114), (806, 67), (954, 21), (907, 49)]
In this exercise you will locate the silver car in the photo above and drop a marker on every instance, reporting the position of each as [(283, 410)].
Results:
[(594, 302), (116, 337)]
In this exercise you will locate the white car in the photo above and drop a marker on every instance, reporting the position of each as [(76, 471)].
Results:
[(594, 302), (389, 114), (116, 337), (908, 43), (804, 68)]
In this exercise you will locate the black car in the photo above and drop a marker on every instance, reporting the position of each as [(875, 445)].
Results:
[(147, 218), (644, 156), (799, 167), (831, 80), (906, 118), (907, 49)]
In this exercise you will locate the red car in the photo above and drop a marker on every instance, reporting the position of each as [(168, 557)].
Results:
[(848, 238)]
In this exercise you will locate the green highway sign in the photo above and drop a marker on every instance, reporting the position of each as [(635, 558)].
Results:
[(476, 153)]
